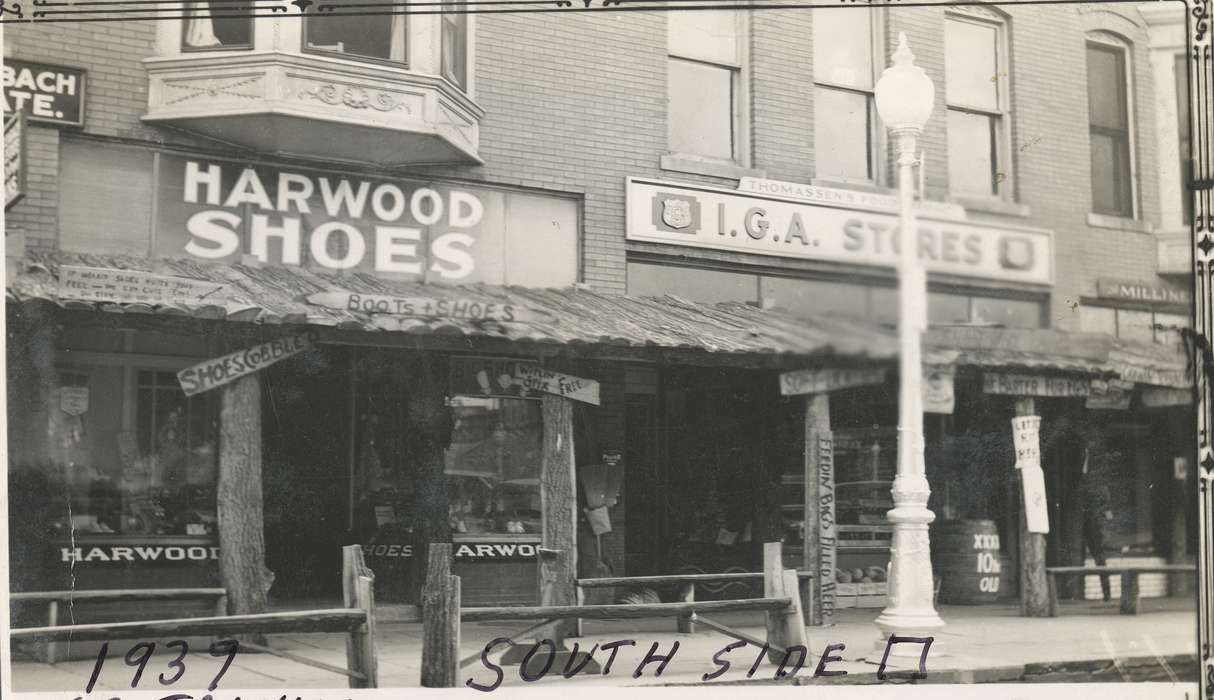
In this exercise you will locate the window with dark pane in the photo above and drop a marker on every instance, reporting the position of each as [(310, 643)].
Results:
[(454, 42), (370, 36), (844, 127), (1181, 70), (1109, 128), (973, 80), (208, 26)]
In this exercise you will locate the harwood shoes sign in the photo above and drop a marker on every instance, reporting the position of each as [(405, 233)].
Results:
[(744, 222)]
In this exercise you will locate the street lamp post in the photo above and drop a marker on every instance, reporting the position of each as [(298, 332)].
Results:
[(904, 97)]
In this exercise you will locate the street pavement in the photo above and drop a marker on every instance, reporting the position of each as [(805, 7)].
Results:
[(1089, 641)]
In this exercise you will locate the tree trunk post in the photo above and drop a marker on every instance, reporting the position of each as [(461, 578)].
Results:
[(440, 620), (427, 434), (558, 504), (819, 540), (1034, 589), (242, 547)]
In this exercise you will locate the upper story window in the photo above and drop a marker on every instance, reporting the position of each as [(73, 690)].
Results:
[(455, 45), (1180, 68), (203, 32), (703, 83), (1110, 127), (845, 129), (378, 37), (975, 88)]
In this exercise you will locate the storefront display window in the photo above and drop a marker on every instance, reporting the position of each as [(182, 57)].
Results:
[(493, 466), (155, 479)]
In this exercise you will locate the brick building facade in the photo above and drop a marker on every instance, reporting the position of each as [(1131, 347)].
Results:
[(567, 106)]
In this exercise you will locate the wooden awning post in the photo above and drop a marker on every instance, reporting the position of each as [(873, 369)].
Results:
[(820, 537), (558, 504), (1034, 589), (242, 547)]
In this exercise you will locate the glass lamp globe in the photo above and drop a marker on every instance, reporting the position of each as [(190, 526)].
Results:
[(904, 94)]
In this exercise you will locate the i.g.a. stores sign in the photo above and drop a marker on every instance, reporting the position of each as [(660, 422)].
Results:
[(223, 211), (843, 232)]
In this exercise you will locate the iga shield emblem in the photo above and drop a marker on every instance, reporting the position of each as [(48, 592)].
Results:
[(676, 213)]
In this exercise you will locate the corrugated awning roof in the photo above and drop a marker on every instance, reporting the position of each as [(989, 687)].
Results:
[(571, 316)]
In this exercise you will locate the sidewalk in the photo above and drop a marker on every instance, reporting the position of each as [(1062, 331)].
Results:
[(978, 644)]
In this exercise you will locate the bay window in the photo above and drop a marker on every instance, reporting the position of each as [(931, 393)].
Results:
[(202, 31), (371, 36), (454, 41)]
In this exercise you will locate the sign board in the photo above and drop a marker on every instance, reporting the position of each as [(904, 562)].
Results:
[(414, 230), (1025, 432), (15, 165), (938, 396), (534, 378), (820, 381), (46, 94), (855, 199), (1143, 292), (424, 307), (1175, 378), (223, 370), (135, 287), (74, 400), (150, 553), (487, 376), (463, 550), (1033, 385), (1036, 507), (1112, 394), (705, 217), (828, 535), (1160, 396)]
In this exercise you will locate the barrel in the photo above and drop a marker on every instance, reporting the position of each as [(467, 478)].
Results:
[(965, 557)]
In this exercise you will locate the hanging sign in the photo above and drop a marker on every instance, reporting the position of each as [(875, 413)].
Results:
[(135, 287), (828, 533), (536, 378), (820, 381), (1142, 292), (486, 376), (938, 390), (1025, 431), (1036, 509), (1112, 394), (14, 160), (424, 307), (222, 370), (1033, 385), (74, 400), (45, 93)]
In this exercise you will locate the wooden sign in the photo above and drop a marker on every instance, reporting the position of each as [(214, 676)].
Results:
[(222, 370), (535, 378), (828, 536), (1112, 394), (135, 287), (424, 307), (486, 376), (15, 163), (1033, 385), (1159, 396), (821, 381)]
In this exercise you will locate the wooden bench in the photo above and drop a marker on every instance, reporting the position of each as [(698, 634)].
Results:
[(53, 598), (1129, 580)]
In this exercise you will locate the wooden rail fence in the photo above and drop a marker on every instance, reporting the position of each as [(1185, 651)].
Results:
[(442, 614), (357, 620)]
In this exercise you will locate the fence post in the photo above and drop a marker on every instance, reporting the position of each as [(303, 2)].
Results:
[(794, 615), (440, 620), (773, 587), (687, 594), (579, 594), (358, 591), (52, 620)]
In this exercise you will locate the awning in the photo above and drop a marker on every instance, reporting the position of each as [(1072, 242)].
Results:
[(569, 316)]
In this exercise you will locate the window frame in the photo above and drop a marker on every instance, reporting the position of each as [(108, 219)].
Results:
[(876, 134), (1184, 127), (1002, 160), (1110, 42), (739, 85), (358, 58), (185, 26), (466, 26)]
